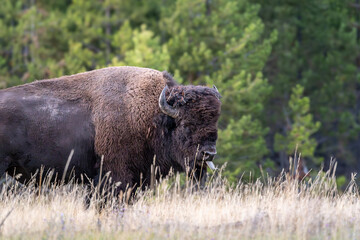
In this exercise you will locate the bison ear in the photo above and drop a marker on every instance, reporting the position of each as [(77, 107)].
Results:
[(170, 81)]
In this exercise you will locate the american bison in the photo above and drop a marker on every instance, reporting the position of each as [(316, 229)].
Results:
[(126, 114)]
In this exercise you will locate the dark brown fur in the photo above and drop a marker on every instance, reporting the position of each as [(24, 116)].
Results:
[(112, 112)]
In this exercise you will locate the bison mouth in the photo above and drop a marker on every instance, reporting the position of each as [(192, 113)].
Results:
[(205, 158), (198, 169), (208, 158)]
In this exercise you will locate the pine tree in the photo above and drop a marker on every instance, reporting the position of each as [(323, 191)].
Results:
[(300, 128), (26, 42), (316, 49), (143, 49)]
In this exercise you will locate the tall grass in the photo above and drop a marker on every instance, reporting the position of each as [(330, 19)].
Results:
[(270, 208)]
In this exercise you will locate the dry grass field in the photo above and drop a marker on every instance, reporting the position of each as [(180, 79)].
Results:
[(270, 208)]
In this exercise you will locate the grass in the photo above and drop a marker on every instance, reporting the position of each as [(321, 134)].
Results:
[(268, 208)]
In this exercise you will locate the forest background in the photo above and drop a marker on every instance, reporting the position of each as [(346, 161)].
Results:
[(288, 70)]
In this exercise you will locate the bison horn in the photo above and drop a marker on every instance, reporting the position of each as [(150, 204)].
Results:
[(165, 107), (215, 88)]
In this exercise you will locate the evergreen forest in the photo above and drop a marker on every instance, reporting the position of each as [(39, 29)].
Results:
[(287, 70)]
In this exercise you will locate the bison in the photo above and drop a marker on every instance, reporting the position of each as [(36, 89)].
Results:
[(128, 115)]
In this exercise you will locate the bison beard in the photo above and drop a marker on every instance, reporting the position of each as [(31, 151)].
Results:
[(126, 114)]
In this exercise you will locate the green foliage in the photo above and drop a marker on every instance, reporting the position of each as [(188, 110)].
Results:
[(242, 145), (317, 48), (242, 142), (300, 128), (340, 182), (217, 39), (146, 51)]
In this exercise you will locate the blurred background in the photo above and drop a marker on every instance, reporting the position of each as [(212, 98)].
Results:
[(288, 70)]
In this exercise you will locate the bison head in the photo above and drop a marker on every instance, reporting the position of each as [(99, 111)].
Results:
[(192, 115)]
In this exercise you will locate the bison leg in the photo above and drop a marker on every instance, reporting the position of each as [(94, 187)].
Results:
[(104, 188), (4, 165), (200, 177), (15, 168), (5, 181)]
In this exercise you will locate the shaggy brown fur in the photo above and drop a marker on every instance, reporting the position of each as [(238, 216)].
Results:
[(112, 112)]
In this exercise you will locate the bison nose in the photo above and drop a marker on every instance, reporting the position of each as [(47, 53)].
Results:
[(209, 156)]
